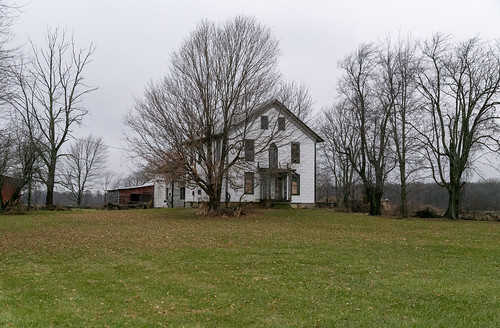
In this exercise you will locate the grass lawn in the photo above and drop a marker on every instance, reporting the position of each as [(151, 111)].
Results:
[(275, 268)]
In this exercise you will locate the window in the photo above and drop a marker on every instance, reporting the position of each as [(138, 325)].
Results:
[(281, 124), (295, 155), (249, 150), (183, 193), (264, 122), (295, 184), (273, 156), (249, 180)]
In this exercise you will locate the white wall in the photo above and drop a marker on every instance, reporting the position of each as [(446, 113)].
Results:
[(306, 168)]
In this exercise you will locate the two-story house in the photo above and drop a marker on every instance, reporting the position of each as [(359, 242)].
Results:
[(277, 164)]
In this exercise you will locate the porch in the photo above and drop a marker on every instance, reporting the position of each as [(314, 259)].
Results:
[(275, 185)]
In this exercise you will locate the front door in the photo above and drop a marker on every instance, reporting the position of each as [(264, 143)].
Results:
[(279, 188)]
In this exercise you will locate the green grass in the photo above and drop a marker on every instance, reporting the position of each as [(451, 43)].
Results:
[(275, 268)]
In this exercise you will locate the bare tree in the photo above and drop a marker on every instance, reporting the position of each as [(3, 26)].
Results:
[(109, 179), (50, 87), (367, 109), (296, 97), (339, 139), (398, 64), (18, 161), (135, 178), (192, 125), (6, 142), (7, 14), (459, 85), (83, 167)]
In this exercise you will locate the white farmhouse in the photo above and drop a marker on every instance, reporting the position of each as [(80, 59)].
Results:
[(278, 165)]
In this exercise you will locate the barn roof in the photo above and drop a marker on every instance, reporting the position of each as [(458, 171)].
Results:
[(146, 185)]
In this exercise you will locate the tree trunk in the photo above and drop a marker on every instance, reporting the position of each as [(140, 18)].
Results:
[(403, 209), (30, 187), (373, 194), (452, 212), (375, 202), (79, 199), (49, 198), (214, 199)]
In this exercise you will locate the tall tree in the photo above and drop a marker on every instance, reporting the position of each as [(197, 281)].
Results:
[(296, 97), (340, 141), (50, 90), (398, 65), (7, 14), (83, 167), (135, 178), (459, 85), (193, 123), (367, 110)]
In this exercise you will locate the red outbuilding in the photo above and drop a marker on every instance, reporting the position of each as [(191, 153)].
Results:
[(131, 195)]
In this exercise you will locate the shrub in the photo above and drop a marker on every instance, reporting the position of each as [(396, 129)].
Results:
[(427, 212)]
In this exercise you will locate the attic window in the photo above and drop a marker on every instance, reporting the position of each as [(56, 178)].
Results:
[(281, 124), (264, 122)]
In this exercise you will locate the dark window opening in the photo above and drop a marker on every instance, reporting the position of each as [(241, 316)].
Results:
[(281, 124), (295, 155), (249, 150), (273, 156), (264, 122), (296, 184), (183, 193), (249, 181)]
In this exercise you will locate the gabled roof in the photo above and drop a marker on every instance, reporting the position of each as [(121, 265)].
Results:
[(261, 109)]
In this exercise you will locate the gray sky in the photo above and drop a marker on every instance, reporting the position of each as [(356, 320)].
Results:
[(134, 40)]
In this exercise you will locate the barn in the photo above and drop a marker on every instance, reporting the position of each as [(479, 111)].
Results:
[(135, 195), (8, 188)]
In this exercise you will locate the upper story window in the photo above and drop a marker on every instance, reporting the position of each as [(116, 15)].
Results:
[(264, 122), (249, 150), (295, 153), (273, 156), (281, 124)]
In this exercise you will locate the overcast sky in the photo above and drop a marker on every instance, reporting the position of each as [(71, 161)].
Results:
[(134, 40)]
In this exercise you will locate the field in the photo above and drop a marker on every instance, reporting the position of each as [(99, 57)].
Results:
[(274, 268)]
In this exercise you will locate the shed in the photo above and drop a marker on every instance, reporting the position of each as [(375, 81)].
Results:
[(131, 195)]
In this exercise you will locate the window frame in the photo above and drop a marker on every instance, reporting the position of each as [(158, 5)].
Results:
[(281, 123), (249, 156), (182, 193), (296, 180), (249, 189), (295, 153), (264, 122)]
